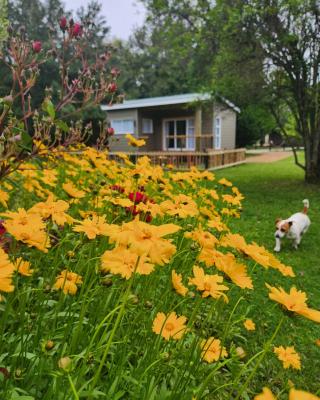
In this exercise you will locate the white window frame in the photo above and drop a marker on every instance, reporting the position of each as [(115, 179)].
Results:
[(190, 138), (217, 132), (147, 126), (123, 130)]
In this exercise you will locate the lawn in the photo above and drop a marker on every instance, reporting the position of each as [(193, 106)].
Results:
[(271, 191)]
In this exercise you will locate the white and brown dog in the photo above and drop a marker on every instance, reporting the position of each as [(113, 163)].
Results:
[(293, 228)]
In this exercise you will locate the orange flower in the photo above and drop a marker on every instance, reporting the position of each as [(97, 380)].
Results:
[(92, 227), (211, 350), (301, 395), (23, 267), (177, 283), (54, 209), (181, 205), (265, 395), (210, 285), (72, 191), (288, 356), (249, 325), (4, 197), (225, 182), (6, 271), (68, 281), (132, 141), (169, 326), (294, 301), (123, 261), (204, 238)]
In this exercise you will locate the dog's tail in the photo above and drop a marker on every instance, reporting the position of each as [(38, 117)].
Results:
[(305, 206)]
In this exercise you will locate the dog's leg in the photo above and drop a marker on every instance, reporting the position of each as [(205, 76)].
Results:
[(278, 245), (296, 243)]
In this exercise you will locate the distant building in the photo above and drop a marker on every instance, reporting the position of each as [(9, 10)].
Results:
[(185, 122)]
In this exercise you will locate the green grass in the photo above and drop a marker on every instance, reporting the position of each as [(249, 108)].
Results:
[(271, 191)]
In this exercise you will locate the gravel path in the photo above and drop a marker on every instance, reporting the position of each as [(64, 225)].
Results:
[(269, 157)]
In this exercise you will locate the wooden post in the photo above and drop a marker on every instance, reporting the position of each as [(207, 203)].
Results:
[(198, 128)]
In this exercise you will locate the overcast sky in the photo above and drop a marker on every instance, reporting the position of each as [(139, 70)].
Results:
[(122, 15)]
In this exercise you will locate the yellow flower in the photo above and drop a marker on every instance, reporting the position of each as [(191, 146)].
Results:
[(301, 395), (265, 395), (211, 350), (204, 238), (6, 272), (93, 227), (177, 283), (169, 326), (54, 209), (181, 205), (68, 281), (4, 197), (288, 356), (249, 325), (27, 227), (132, 141), (124, 262), (224, 182), (145, 239), (294, 301), (23, 267), (72, 191), (210, 285)]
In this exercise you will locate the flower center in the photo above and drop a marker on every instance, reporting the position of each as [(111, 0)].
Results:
[(169, 326), (207, 286)]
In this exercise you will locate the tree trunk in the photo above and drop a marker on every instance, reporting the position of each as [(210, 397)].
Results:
[(312, 160)]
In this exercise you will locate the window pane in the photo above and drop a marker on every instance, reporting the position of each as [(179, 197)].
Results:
[(147, 125), (122, 126)]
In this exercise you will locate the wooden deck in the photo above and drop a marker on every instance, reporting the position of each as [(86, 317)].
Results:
[(211, 159)]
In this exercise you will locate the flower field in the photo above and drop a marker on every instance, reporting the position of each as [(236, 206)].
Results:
[(124, 281)]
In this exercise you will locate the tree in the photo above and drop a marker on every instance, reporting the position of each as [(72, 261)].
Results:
[(3, 20), (288, 32)]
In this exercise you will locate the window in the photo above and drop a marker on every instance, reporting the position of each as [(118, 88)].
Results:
[(147, 125), (123, 126), (179, 134), (217, 133)]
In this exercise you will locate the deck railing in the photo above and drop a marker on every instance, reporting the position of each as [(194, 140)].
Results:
[(210, 159)]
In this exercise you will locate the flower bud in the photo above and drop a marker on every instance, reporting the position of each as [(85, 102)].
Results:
[(112, 87), (240, 352), (49, 345), (36, 46), (63, 23), (110, 131), (76, 30), (65, 363)]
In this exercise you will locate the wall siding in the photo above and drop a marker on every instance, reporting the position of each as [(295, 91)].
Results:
[(228, 126)]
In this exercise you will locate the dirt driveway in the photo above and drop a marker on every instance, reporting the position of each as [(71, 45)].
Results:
[(268, 157)]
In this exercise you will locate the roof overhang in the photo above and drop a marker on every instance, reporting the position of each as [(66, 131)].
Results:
[(165, 101)]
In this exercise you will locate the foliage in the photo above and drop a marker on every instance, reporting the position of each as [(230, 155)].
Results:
[(85, 318), (80, 83), (3, 20)]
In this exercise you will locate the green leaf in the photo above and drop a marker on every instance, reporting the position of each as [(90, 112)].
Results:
[(62, 125), (48, 107)]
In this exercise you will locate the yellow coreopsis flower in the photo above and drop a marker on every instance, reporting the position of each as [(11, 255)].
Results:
[(169, 326), (295, 301), (249, 325), (181, 205), (225, 182), (177, 283), (288, 356), (72, 191), (301, 395), (265, 395), (68, 281), (211, 350), (23, 267), (210, 285), (93, 227), (204, 238), (132, 141), (4, 197), (124, 262), (6, 272), (54, 209)]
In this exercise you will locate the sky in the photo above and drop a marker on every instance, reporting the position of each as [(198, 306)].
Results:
[(122, 15)]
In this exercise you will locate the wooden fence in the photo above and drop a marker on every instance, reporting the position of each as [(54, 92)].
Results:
[(211, 159)]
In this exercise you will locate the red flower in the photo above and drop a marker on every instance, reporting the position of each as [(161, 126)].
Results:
[(118, 188), (110, 131), (63, 23), (112, 87), (138, 197), (2, 228), (36, 46), (132, 210), (76, 30)]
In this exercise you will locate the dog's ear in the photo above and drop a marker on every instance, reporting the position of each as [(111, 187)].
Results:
[(290, 223), (277, 221)]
